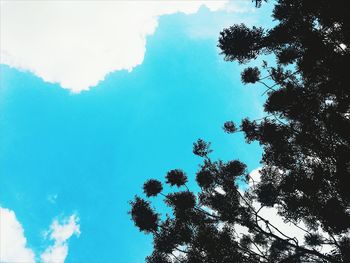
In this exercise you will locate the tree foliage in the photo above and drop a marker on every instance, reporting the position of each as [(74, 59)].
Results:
[(305, 136)]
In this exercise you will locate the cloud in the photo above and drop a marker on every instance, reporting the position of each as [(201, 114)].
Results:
[(60, 233), (77, 43), (13, 244)]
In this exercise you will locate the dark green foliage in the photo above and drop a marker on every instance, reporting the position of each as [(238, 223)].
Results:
[(267, 192), (250, 75), (249, 129), (176, 177), (313, 239), (204, 178), (143, 215), (305, 136), (241, 43), (181, 201), (232, 169), (152, 188), (229, 127), (201, 148), (344, 245), (158, 257), (287, 55)]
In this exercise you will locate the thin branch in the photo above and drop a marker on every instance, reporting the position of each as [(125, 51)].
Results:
[(175, 257), (267, 86)]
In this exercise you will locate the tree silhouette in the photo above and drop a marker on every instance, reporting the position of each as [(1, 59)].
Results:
[(305, 173)]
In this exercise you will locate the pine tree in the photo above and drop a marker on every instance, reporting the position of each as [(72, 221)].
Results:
[(305, 136)]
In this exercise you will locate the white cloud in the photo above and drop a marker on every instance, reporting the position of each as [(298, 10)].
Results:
[(77, 43), (13, 244), (60, 233), (242, 7)]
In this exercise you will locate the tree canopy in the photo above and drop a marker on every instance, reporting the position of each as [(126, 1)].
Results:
[(305, 135)]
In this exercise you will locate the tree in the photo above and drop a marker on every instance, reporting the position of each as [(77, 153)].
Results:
[(305, 135)]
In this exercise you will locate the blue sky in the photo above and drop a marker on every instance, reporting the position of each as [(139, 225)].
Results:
[(87, 154)]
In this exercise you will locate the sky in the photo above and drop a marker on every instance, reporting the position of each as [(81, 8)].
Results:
[(95, 98)]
